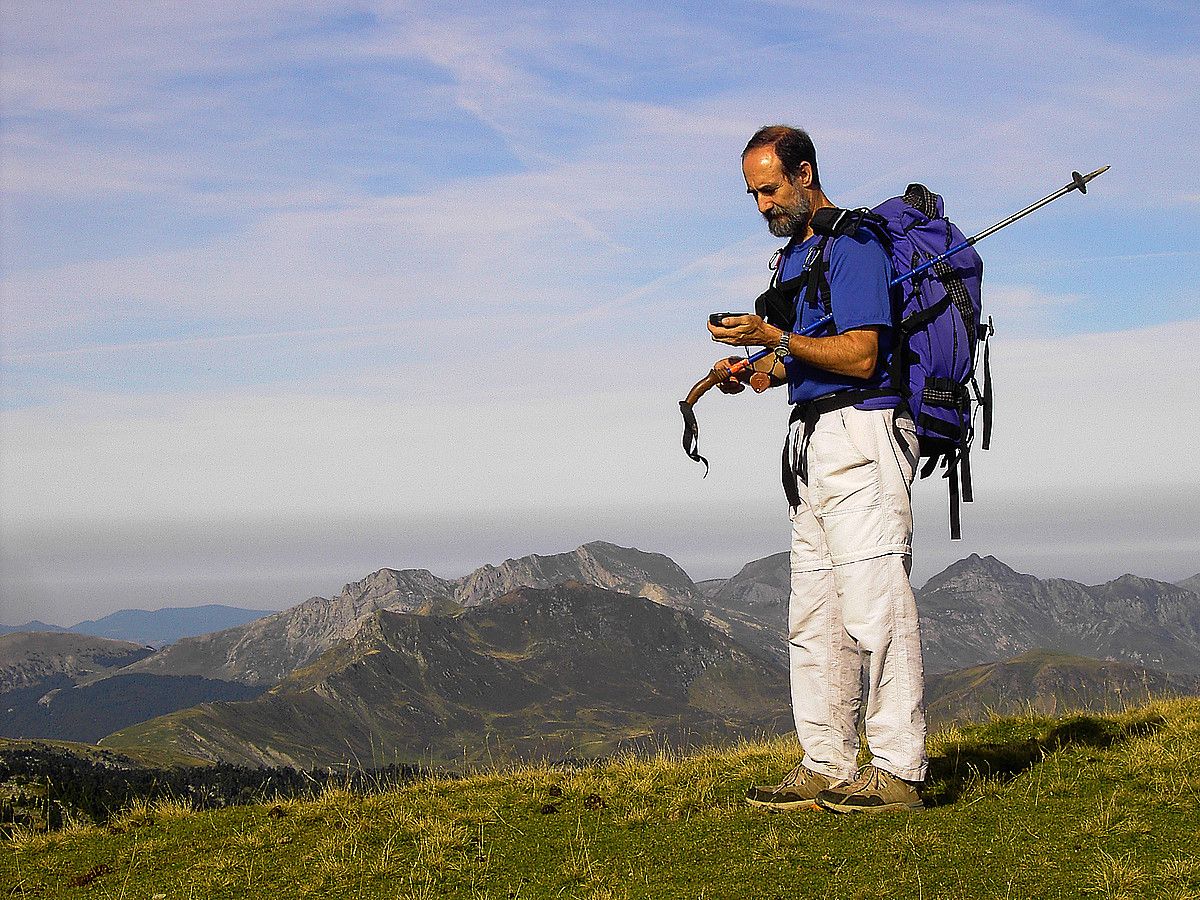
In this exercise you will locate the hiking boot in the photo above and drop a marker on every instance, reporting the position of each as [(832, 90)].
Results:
[(798, 790), (874, 790)]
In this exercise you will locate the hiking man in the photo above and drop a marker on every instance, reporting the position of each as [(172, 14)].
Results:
[(849, 460)]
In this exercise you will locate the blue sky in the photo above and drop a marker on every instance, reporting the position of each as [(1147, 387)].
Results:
[(295, 293)]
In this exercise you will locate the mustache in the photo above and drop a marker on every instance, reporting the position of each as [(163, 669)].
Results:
[(781, 213)]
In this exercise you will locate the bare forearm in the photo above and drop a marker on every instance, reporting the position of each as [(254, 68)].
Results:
[(853, 353)]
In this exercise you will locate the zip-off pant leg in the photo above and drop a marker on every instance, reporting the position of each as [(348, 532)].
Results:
[(851, 602), (823, 658)]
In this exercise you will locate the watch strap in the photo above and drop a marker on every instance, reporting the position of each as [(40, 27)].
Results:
[(783, 348)]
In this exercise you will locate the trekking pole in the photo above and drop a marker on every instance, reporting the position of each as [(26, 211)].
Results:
[(1078, 182)]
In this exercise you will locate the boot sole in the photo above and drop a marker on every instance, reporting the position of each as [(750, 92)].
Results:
[(887, 807), (790, 806)]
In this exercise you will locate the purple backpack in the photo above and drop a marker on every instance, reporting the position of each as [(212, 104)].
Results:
[(939, 325)]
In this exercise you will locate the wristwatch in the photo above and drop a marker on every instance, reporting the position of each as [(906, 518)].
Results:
[(782, 349)]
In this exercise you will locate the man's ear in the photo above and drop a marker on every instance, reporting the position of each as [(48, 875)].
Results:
[(804, 174)]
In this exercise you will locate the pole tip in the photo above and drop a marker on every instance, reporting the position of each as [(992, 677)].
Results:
[(1079, 182)]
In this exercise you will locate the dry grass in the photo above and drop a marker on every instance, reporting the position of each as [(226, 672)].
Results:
[(1114, 818), (172, 809), (1116, 877)]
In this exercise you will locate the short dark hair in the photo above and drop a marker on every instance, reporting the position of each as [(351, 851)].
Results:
[(792, 145)]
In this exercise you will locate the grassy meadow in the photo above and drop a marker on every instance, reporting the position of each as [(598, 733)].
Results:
[(1032, 807)]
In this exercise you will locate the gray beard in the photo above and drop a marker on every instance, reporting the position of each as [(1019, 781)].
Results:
[(791, 222)]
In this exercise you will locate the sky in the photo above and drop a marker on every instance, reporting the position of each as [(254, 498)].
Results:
[(296, 291)]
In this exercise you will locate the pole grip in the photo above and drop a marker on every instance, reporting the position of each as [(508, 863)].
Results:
[(703, 386)]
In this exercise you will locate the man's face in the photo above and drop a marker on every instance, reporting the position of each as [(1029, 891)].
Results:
[(783, 203)]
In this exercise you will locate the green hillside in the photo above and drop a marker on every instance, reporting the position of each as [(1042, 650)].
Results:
[(1047, 682), (1085, 806)]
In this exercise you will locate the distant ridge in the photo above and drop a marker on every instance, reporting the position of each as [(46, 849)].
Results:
[(164, 626), (1192, 584), (980, 610), (1047, 682), (156, 627), (625, 569), (266, 650), (34, 625), (29, 658)]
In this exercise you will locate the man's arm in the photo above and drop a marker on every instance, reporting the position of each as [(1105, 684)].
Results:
[(854, 353)]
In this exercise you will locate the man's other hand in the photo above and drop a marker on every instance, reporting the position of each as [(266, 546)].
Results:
[(744, 331)]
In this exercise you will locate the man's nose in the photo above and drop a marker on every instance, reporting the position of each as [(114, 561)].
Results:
[(764, 203)]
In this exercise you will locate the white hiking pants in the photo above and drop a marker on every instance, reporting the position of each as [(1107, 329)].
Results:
[(852, 609)]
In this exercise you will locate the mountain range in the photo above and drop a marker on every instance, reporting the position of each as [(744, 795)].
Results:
[(568, 671), (155, 627), (268, 649), (980, 610), (404, 663)]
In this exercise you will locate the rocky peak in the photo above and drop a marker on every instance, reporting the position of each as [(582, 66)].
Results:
[(1132, 597), (404, 589), (763, 582), (974, 573), (1136, 585), (605, 565)]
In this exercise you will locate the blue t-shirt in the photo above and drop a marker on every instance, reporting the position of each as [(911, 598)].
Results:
[(859, 272)]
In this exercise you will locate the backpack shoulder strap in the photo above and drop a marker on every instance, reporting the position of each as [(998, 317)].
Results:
[(835, 222), (831, 223), (777, 304), (816, 277)]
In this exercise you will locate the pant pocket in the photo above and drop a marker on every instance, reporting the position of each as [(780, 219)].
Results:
[(866, 533), (842, 479)]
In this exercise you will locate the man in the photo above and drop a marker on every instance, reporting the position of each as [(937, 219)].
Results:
[(850, 456)]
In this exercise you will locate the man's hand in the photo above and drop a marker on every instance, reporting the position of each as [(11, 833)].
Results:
[(729, 385), (745, 331)]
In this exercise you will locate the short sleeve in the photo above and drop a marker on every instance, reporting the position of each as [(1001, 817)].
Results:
[(859, 272)]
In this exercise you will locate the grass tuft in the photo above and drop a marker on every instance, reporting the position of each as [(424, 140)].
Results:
[(1116, 877)]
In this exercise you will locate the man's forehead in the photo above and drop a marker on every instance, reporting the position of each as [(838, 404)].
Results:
[(762, 164)]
